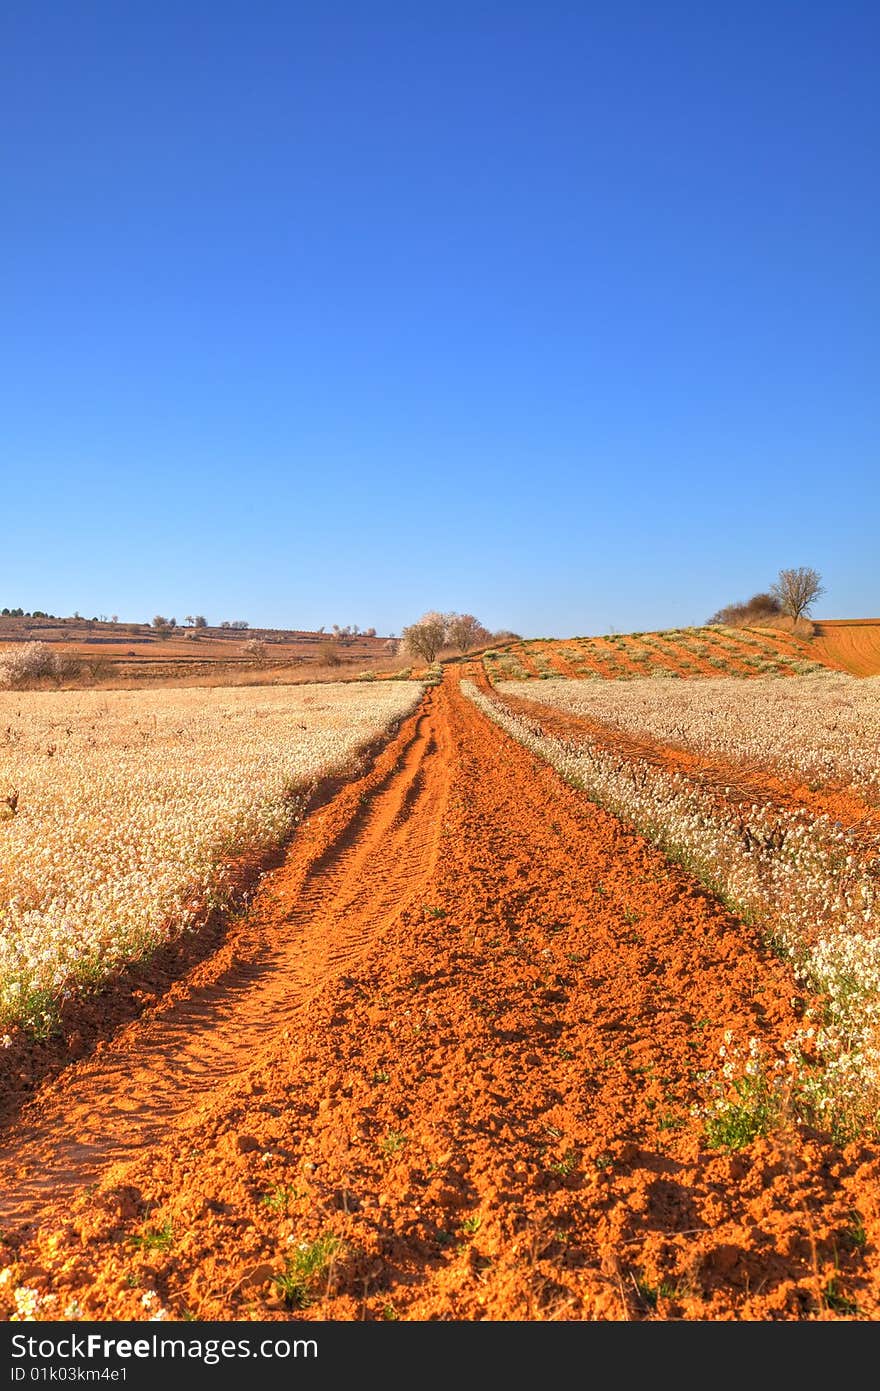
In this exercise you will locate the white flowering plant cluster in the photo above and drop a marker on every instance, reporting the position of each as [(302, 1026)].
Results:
[(27, 661), (750, 1094), (133, 807), (31, 1305), (811, 886), (825, 728)]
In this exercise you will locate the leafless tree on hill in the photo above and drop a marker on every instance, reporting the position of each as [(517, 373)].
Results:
[(797, 590)]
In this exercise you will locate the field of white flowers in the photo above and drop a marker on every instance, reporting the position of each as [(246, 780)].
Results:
[(131, 807), (810, 885), (822, 728)]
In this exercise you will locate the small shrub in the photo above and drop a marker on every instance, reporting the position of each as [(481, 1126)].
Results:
[(329, 654)]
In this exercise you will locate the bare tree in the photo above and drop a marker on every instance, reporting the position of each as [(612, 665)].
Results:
[(464, 631), (797, 590), (425, 638), (256, 649)]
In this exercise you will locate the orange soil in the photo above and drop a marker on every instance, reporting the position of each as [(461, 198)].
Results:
[(731, 653), (461, 1029), (852, 645), (587, 656), (554, 654), (794, 644), (573, 658), (676, 659), (610, 653), (735, 648), (524, 656), (705, 667)]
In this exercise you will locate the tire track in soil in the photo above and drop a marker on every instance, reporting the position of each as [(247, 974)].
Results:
[(488, 1100), (321, 914)]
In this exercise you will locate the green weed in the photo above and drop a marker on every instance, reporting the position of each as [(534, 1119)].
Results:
[(393, 1142), (311, 1262), (155, 1238), (280, 1198)]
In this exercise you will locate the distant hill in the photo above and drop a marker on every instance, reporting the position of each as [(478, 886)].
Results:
[(103, 652)]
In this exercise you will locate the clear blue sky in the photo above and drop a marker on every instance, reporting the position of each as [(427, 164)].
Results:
[(563, 314)]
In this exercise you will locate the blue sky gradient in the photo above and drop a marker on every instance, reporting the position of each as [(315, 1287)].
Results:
[(562, 314)]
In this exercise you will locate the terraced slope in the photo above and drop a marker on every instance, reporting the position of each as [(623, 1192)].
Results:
[(687, 652)]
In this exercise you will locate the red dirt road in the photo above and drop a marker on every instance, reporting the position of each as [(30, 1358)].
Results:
[(462, 1031)]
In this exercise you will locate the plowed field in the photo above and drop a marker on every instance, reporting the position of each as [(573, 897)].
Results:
[(850, 644), (454, 1063)]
